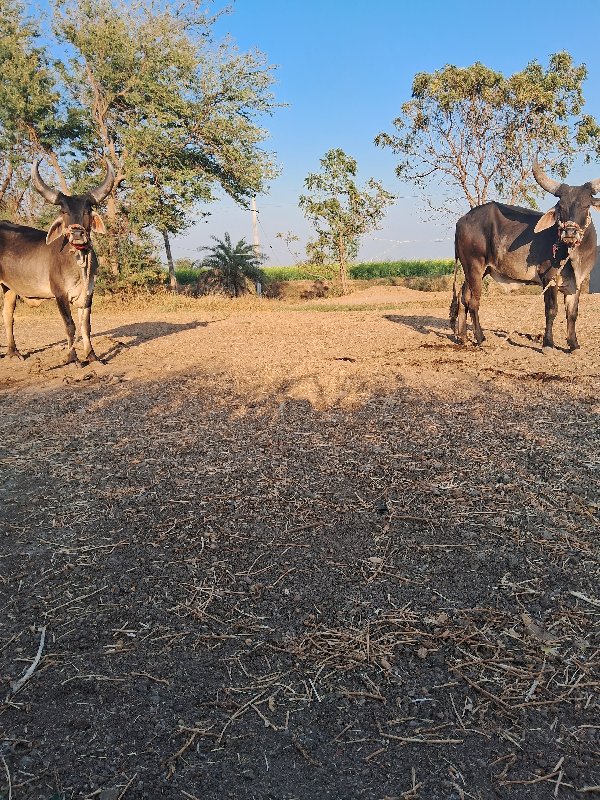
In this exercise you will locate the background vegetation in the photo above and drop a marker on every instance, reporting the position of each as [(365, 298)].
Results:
[(180, 115), (145, 85)]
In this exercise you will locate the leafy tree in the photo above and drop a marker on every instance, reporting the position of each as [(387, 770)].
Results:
[(33, 118), (229, 268), (176, 113), (474, 130), (289, 238), (340, 211)]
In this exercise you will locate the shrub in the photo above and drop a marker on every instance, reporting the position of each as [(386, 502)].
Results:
[(186, 276), (139, 268)]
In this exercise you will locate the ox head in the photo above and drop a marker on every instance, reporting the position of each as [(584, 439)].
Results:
[(572, 212), (77, 217)]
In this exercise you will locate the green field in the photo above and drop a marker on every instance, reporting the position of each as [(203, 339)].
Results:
[(402, 269), (363, 271), (368, 270)]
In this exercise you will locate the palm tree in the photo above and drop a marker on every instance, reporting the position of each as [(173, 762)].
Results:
[(230, 268)]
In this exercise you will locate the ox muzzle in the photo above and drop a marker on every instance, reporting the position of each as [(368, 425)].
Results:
[(571, 233), (78, 238)]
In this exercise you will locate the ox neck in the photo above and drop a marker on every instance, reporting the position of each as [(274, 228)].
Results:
[(82, 257)]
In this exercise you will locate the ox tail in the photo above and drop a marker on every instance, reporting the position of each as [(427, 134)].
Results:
[(454, 303)]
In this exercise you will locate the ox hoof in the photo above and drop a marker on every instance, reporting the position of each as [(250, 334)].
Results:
[(574, 349), (92, 358)]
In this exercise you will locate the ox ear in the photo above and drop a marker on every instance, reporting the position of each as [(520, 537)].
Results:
[(596, 203), (547, 221), (97, 223), (56, 230)]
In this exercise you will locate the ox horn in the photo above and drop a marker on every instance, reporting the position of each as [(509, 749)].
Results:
[(549, 184), (99, 194), (51, 195), (595, 186)]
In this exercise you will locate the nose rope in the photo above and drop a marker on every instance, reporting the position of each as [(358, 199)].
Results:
[(578, 229), (571, 224)]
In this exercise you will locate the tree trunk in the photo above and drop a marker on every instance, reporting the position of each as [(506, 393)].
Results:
[(172, 276), (343, 265), (6, 181), (52, 157)]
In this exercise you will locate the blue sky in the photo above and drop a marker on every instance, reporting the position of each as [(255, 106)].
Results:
[(345, 66)]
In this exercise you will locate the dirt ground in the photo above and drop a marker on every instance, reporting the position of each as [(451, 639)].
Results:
[(296, 552)]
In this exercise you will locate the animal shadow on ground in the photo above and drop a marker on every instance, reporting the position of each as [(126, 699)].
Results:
[(141, 332), (439, 327), (423, 324)]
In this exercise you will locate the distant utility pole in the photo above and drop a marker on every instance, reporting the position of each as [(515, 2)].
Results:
[(255, 242)]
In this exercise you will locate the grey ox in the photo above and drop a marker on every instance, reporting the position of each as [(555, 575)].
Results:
[(556, 250), (60, 264)]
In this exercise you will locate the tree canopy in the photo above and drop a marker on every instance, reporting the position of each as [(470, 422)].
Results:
[(33, 117), (341, 212), (474, 130), (145, 84)]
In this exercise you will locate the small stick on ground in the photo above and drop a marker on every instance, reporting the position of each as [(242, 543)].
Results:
[(8, 778), (239, 713), (127, 787), (187, 744), (17, 685), (376, 753), (305, 753), (412, 793)]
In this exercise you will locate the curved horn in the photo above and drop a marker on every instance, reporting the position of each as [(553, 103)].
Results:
[(51, 195), (595, 186), (99, 194), (549, 184)]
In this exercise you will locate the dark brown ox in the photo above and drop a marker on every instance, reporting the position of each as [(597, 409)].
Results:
[(556, 250), (60, 264)]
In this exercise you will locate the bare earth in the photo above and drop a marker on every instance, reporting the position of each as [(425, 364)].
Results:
[(301, 552)]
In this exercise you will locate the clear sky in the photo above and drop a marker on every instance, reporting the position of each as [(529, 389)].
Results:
[(345, 66)]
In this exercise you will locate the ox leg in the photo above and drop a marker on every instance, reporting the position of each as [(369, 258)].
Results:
[(461, 318), (571, 308), (8, 315), (65, 311), (85, 330), (474, 299), (551, 305)]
